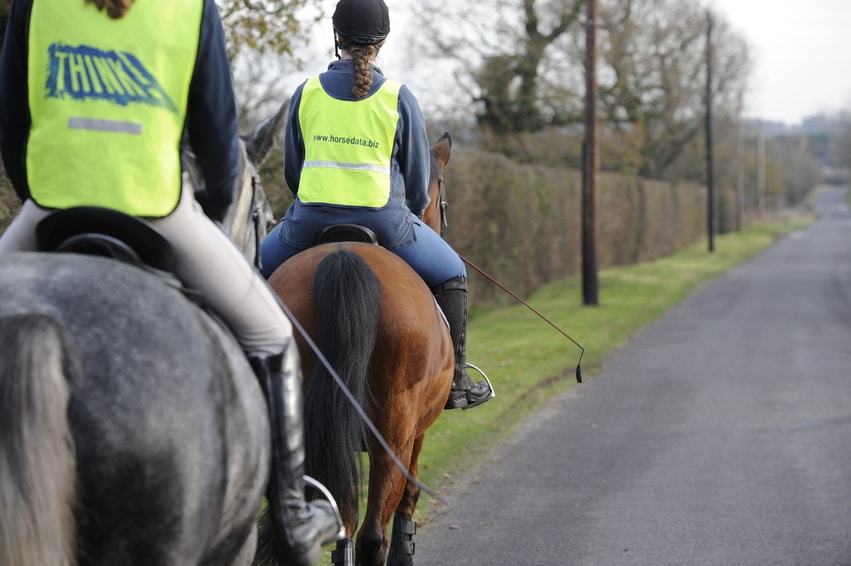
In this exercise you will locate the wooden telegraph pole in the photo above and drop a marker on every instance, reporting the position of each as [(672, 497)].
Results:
[(590, 163), (710, 180), (740, 167)]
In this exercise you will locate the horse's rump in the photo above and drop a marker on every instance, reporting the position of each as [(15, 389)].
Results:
[(169, 424), (407, 306)]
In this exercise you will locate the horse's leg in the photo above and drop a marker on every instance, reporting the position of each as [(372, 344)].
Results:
[(401, 551), (386, 486)]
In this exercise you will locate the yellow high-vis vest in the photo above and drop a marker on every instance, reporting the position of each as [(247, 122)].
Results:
[(107, 100), (348, 146)]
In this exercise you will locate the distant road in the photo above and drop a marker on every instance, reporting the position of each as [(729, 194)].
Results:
[(720, 436)]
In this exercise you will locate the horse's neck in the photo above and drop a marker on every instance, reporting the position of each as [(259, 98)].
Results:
[(433, 215), (238, 222), (250, 214)]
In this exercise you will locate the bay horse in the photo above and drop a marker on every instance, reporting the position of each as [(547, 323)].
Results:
[(132, 428), (378, 325)]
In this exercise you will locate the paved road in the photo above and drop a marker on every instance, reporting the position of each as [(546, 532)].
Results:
[(720, 436)]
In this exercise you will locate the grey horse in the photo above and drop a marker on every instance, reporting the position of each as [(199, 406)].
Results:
[(132, 428)]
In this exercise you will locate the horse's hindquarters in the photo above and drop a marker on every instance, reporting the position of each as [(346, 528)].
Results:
[(169, 425)]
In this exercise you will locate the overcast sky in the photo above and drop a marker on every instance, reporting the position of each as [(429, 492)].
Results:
[(801, 50), (802, 53)]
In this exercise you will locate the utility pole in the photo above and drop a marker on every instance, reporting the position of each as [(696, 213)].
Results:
[(590, 163), (760, 168), (710, 165), (740, 167)]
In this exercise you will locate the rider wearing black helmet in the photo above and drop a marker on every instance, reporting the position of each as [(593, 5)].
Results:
[(356, 151), (365, 22)]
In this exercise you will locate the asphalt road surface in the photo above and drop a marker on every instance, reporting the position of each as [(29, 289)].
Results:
[(719, 436)]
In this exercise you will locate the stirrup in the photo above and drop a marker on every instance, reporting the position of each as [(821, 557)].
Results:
[(318, 486), (458, 398), (487, 380)]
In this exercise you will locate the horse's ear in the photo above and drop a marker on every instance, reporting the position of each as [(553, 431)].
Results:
[(442, 149), (260, 141)]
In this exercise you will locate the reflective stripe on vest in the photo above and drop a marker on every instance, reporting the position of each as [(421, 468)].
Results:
[(347, 160), (107, 99)]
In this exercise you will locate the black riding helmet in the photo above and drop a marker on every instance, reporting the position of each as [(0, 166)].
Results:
[(365, 22)]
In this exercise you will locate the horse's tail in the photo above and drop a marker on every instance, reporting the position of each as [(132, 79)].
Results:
[(37, 460), (348, 300)]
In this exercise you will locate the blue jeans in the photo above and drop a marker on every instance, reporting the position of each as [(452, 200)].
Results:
[(429, 254)]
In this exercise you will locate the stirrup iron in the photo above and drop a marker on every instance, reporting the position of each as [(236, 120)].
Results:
[(487, 379), (318, 486)]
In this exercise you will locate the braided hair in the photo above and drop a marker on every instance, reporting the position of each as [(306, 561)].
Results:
[(362, 57)]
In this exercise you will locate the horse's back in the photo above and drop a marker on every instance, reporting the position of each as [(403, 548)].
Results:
[(168, 422)]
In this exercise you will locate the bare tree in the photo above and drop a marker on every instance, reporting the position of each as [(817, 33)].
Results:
[(653, 84), (267, 25), (260, 85), (502, 49), (268, 41)]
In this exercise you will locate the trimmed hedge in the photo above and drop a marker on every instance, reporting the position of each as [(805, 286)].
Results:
[(522, 224)]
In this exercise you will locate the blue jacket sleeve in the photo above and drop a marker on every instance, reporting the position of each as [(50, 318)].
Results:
[(14, 112), (211, 117), (414, 155)]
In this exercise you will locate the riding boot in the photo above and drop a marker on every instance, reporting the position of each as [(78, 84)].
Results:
[(452, 297), (301, 527)]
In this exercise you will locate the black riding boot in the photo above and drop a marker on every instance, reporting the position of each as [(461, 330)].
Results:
[(301, 527), (452, 297)]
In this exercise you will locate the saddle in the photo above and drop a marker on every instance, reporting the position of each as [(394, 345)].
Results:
[(92, 230), (347, 233), (104, 232)]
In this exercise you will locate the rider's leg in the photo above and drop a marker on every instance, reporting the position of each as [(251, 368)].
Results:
[(452, 297), (302, 527), (209, 261), (274, 250), (19, 235), (444, 272)]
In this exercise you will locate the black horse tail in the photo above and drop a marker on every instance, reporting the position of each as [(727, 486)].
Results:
[(348, 300), (37, 459)]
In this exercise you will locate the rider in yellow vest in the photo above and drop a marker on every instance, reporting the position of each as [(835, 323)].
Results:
[(347, 171), (356, 151), (93, 106)]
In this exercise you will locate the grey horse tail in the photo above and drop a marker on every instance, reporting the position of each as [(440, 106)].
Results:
[(37, 458)]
